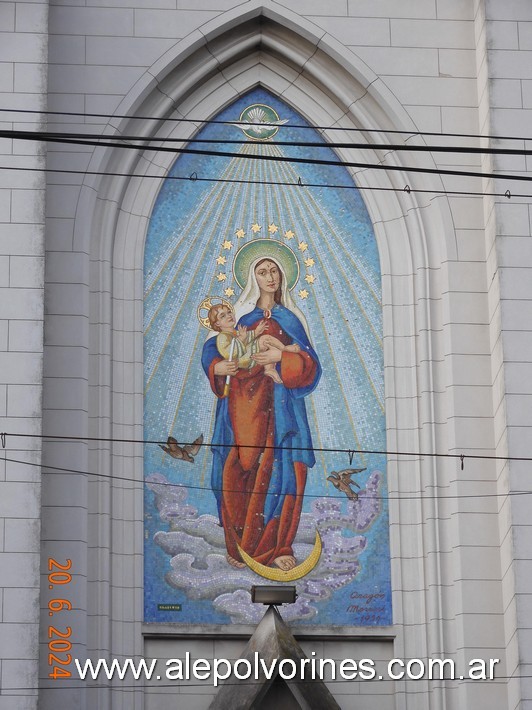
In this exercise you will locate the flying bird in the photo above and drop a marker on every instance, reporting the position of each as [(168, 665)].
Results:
[(342, 481), (258, 121), (186, 452)]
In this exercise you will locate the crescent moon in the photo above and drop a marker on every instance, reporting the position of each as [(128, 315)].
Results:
[(279, 575)]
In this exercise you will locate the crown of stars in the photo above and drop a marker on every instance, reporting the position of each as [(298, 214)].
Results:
[(273, 230)]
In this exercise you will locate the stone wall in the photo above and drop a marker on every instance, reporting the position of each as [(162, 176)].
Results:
[(456, 293)]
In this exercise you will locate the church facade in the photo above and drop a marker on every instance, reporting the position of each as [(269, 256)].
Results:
[(347, 185)]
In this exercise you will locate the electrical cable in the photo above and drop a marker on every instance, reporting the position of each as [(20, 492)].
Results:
[(283, 159), (54, 136), (195, 178), (384, 452), (124, 688), (141, 483), (205, 121)]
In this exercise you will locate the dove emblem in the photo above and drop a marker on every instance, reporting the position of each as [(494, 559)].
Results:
[(259, 122)]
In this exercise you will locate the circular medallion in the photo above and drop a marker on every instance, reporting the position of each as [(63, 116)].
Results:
[(259, 122)]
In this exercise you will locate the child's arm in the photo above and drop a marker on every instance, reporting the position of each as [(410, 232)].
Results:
[(259, 330), (223, 345), (243, 334)]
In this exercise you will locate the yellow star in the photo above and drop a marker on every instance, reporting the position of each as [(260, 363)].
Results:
[(227, 245), (255, 228), (221, 260), (302, 246), (272, 228), (309, 262), (229, 291), (309, 278), (240, 233), (221, 276), (303, 293), (289, 234)]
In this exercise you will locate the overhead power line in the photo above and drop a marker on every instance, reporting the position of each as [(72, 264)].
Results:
[(194, 177), (115, 143), (473, 150), (414, 495), (379, 452), (206, 121)]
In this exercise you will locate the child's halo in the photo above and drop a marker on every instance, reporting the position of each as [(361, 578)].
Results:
[(205, 306)]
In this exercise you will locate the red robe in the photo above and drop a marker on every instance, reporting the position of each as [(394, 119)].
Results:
[(247, 470)]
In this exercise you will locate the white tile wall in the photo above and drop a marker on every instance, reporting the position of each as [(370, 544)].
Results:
[(432, 67)]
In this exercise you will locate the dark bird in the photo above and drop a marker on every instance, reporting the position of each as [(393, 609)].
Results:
[(342, 481), (186, 452)]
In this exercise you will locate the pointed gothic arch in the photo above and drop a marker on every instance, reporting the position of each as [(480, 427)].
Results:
[(271, 47)]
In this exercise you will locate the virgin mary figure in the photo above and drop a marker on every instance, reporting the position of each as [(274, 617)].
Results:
[(262, 446)]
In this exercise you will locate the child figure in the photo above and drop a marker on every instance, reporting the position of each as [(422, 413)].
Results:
[(247, 343)]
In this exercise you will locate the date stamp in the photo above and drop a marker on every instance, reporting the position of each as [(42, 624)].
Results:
[(59, 644)]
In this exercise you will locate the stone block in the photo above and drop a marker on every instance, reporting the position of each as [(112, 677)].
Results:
[(19, 641), (68, 50), (126, 51), (524, 30), (509, 10), (454, 10), (434, 91), (7, 17), (26, 271), (4, 271), (502, 35), (509, 64), (457, 62), (400, 60), (169, 23), (26, 336), (448, 34), (66, 393), (30, 78), (18, 572), (22, 536), (27, 206), (352, 31), (91, 21), (17, 367), (24, 400), (5, 205), (114, 80), (6, 77), (31, 18)]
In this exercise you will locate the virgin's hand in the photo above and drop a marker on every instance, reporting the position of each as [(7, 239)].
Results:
[(268, 356), (226, 367)]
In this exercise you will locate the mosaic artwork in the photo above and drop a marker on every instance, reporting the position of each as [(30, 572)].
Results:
[(264, 382)]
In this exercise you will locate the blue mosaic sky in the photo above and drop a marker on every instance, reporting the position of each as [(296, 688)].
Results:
[(194, 224)]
